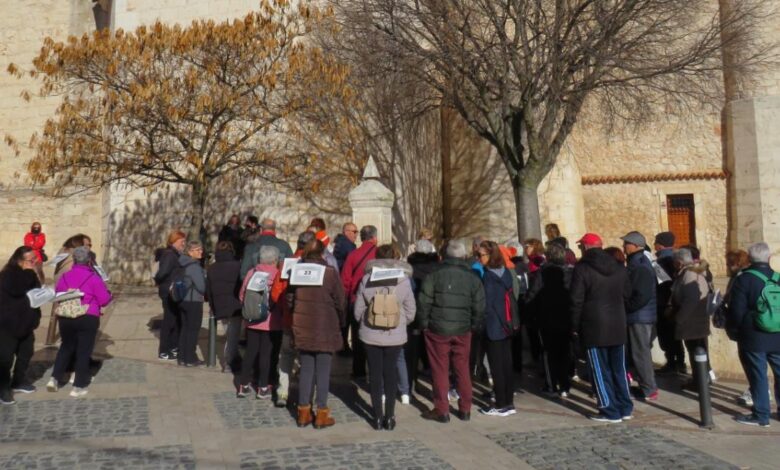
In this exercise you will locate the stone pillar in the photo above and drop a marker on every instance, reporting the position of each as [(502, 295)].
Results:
[(372, 203)]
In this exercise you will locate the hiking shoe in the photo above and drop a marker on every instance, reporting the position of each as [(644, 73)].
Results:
[(7, 398), (25, 388), (78, 392), (405, 399), (751, 420), (263, 393), (604, 419), (453, 395), (243, 391), (52, 385)]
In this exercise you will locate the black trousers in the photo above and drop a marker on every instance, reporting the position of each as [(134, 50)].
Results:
[(558, 359), (358, 348), (191, 320), (672, 348), (499, 355), (170, 327), (22, 350), (78, 341), (262, 355), (383, 377), (477, 355), (414, 349), (517, 351)]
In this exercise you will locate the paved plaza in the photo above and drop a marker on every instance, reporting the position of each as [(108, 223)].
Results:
[(143, 413)]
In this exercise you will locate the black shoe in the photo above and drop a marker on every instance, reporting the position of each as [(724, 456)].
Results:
[(7, 398), (24, 388), (166, 357), (376, 423), (433, 415), (389, 423), (464, 415)]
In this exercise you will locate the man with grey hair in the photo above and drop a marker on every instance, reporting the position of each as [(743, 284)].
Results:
[(351, 275), (451, 306), (756, 345), (267, 237)]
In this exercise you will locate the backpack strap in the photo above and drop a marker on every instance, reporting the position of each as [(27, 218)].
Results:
[(761, 276)]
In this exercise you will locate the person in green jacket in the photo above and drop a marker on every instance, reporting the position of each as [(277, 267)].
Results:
[(451, 306)]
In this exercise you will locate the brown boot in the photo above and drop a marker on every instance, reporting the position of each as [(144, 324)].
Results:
[(323, 419), (304, 415)]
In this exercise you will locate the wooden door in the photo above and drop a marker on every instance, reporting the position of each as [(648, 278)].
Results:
[(681, 215)]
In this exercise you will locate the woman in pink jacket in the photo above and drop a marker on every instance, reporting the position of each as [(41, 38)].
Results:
[(264, 339), (79, 334)]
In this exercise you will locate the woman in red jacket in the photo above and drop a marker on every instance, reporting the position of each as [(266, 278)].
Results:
[(36, 240)]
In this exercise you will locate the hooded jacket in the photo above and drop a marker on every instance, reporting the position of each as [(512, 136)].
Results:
[(552, 303), (195, 277), (342, 247), (641, 306), (85, 279), (401, 288), (743, 303), (689, 302), (223, 283), (16, 316), (168, 259), (599, 290), (496, 288), (452, 300), (252, 250), (318, 313)]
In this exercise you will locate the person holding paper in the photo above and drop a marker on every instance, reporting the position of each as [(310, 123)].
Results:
[(79, 334), (18, 321), (383, 345), (62, 266), (318, 313)]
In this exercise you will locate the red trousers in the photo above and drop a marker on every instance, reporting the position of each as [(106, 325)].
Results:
[(440, 348)]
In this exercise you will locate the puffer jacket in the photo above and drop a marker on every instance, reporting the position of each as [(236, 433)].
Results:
[(641, 306), (168, 259), (452, 300), (85, 279), (16, 316), (401, 288), (195, 277), (599, 290), (318, 313), (223, 284), (743, 303), (688, 306)]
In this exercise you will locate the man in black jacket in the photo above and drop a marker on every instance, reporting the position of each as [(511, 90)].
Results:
[(599, 290), (756, 347)]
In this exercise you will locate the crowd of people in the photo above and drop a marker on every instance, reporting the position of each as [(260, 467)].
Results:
[(76, 273), (453, 313)]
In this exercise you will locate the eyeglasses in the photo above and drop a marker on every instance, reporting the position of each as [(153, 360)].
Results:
[(351, 231)]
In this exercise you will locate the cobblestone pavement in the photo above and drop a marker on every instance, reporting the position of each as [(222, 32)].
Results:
[(605, 447), (144, 413), (166, 457), (387, 455)]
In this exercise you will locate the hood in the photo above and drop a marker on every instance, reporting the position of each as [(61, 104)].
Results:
[(603, 263), (699, 267), (389, 263), (186, 260), (505, 279), (422, 258), (223, 255)]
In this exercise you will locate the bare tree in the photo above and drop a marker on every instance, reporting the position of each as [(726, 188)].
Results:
[(520, 71)]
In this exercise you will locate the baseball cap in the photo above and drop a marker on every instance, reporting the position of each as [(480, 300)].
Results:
[(635, 238), (590, 239)]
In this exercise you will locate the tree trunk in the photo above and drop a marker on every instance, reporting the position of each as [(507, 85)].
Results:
[(446, 116), (527, 209), (197, 231)]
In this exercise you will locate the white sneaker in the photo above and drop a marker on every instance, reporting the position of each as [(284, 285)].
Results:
[(746, 398), (713, 377), (453, 395), (404, 399), (490, 412), (52, 385), (383, 399), (72, 379), (78, 392)]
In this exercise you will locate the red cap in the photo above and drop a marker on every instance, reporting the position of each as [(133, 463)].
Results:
[(590, 239), (322, 236)]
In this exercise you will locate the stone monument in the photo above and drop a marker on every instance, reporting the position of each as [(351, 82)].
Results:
[(372, 203)]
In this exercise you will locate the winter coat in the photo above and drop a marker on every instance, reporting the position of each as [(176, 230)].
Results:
[(232, 234), (342, 247), (274, 320), (36, 241), (496, 288), (16, 316), (195, 278), (332, 261), (552, 301), (223, 284), (452, 300), (168, 259), (85, 279), (641, 306), (252, 250), (688, 304), (743, 298), (599, 289), (354, 269), (663, 291), (401, 288), (318, 313), (422, 264)]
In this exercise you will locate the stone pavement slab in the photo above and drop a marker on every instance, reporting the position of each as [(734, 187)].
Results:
[(165, 457)]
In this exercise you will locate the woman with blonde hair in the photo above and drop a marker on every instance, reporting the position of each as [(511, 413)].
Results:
[(168, 259)]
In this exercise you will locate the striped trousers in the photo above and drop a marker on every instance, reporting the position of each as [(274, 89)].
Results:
[(608, 370)]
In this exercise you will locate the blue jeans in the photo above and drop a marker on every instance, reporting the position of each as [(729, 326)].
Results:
[(754, 364), (403, 375), (608, 368)]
